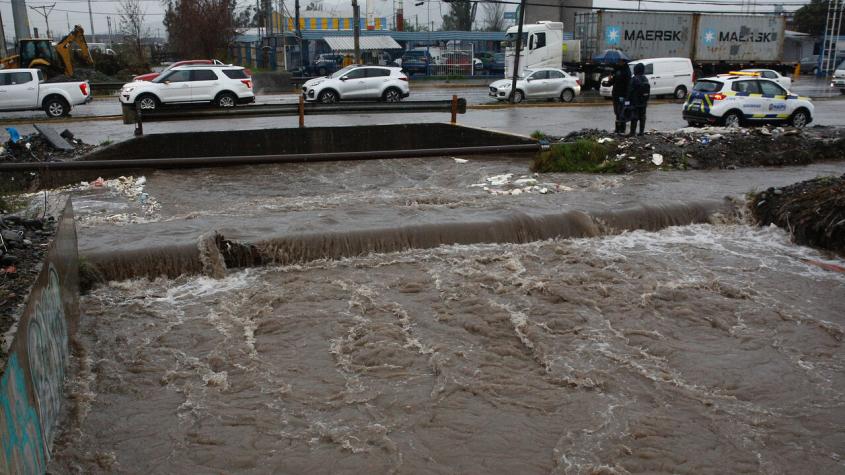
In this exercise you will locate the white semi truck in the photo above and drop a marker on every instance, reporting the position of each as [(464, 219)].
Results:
[(542, 46)]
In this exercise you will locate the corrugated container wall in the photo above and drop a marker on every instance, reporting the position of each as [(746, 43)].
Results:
[(645, 35), (740, 38)]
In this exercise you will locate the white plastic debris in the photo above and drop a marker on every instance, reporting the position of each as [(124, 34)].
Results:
[(657, 159), (516, 191), (525, 181), (765, 131), (500, 180), (28, 146), (604, 140), (459, 160)]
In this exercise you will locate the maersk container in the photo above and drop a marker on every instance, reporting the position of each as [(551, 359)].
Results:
[(700, 37), (644, 35), (739, 38)]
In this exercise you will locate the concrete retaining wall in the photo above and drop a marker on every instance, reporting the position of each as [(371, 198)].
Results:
[(363, 138), (31, 388)]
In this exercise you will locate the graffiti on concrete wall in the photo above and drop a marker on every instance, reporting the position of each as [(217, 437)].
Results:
[(22, 443), (48, 354)]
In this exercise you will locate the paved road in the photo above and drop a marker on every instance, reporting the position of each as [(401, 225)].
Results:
[(474, 96), (556, 120)]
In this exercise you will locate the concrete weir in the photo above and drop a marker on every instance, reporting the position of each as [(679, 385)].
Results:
[(288, 145), (213, 253)]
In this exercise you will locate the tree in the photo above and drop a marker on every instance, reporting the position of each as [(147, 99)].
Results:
[(132, 27), (459, 17), (201, 28), (494, 17), (812, 18)]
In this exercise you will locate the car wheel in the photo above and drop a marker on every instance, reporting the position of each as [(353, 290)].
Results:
[(518, 96), (392, 95), (799, 119), (226, 100), (732, 119), (328, 97), (56, 107), (146, 102), (568, 95), (680, 92)]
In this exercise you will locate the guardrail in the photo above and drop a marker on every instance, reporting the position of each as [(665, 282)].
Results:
[(132, 115)]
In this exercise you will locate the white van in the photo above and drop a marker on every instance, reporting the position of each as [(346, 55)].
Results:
[(668, 76)]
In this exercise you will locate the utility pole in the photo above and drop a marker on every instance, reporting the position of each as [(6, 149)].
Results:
[(518, 49), (21, 19), (91, 19), (2, 38), (356, 30), (298, 33), (45, 12), (108, 23)]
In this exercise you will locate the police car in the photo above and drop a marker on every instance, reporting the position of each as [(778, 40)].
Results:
[(745, 98)]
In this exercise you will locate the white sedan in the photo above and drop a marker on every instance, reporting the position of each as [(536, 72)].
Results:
[(546, 83), (775, 76)]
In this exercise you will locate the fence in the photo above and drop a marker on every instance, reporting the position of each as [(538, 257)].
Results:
[(453, 62)]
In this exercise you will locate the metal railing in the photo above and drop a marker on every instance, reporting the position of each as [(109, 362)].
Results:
[(138, 117)]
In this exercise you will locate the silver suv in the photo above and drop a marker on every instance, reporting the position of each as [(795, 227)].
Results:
[(357, 82)]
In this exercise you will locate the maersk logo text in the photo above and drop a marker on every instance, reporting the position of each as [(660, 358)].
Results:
[(652, 35), (738, 37)]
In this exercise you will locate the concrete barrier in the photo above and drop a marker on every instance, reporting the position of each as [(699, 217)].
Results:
[(31, 388)]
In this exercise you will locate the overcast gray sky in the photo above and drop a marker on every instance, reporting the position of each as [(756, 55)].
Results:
[(68, 13)]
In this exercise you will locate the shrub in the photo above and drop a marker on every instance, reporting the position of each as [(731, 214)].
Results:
[(583, 155)]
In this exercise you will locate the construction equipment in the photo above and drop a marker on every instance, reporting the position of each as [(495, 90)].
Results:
[(52, 59)]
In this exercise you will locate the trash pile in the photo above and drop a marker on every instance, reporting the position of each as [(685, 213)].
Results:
[(44, 145), (23, 245), (506, 185), (813, 211), (129, 187), (719, 147)]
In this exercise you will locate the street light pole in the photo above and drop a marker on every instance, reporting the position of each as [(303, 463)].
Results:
[(356, 30), (518, 49)]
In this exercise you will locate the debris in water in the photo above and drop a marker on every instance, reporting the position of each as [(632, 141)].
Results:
[(657, 159), (459, 160)]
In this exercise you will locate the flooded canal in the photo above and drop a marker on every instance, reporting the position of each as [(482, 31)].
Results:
[(690, 350), (706, 348)]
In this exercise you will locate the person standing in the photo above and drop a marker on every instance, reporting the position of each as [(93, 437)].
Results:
[(639, 91), (620, 80)]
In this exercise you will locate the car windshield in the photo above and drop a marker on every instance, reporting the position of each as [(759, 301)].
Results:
[(341, 72), (707, 86)]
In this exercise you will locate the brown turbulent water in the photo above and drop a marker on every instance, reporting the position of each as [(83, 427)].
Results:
[(696, 349)]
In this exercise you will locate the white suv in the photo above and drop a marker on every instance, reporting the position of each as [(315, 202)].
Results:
[(736, 99), (838, 80), (224, 86), (385, 83)]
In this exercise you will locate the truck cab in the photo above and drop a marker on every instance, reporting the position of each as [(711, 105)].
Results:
[(542, 45)]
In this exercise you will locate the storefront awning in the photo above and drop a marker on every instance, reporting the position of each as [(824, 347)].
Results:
[(366, 43)]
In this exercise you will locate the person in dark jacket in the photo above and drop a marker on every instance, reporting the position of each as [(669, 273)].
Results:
[(620, 81), (639, 91)]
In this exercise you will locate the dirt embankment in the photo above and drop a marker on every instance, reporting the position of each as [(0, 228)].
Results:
[(23, 246), (701, 148), (813, 211)]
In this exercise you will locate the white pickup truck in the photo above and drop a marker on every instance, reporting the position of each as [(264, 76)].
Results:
[(25, 89)]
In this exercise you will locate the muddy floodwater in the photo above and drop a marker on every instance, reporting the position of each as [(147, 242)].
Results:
[(695, 349)]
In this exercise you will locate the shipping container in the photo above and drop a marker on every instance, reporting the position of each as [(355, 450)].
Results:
[(739, 38), (642, 35), (704, 38)]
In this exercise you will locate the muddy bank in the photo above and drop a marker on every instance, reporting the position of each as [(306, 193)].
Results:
[(704, 148), (813, 211)]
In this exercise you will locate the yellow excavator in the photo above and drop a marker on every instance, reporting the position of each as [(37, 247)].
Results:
[(42, 54)]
